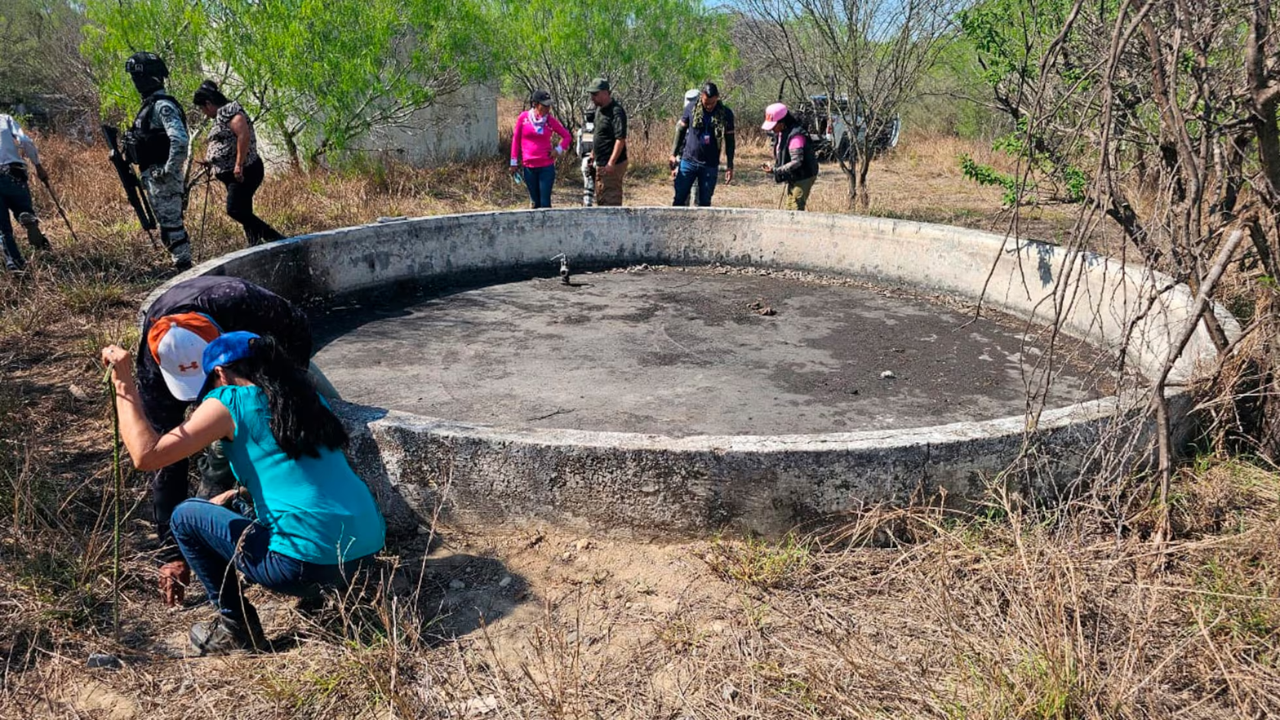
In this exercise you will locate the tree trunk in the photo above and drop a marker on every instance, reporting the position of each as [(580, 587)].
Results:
[(291, 147), (316, 156), (1264, 99), (864, 164)]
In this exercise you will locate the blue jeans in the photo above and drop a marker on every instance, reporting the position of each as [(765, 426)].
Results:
[(706, 177), (539, 182), (213, 538)]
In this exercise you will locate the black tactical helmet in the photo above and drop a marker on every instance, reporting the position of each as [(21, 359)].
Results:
[(146, 64)]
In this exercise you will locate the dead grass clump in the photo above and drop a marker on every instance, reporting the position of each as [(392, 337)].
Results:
[(96, 297), (1223, 497), (763, 564)]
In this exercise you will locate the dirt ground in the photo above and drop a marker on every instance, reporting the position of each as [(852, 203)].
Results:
[(1008, 612)]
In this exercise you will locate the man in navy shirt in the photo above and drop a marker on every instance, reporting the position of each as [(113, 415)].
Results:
[(705, 128)]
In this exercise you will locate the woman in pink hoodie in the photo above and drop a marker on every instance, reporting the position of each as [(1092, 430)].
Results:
[(533, 148)]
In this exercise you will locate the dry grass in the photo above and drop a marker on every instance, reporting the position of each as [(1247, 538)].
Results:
[(892, 613)]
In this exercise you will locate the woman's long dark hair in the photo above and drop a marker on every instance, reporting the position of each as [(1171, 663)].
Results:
[(208, 92), (300, 422)]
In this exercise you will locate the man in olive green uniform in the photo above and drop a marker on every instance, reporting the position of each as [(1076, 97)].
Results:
[(610, 149)]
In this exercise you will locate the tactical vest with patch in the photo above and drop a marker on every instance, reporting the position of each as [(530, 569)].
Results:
[(147, 143)]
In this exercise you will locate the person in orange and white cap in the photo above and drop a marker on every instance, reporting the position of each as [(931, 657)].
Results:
[(177, 343), (317, 524), (175, 331), (794, 160)]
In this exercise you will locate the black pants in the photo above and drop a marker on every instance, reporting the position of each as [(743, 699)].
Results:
[(15, 199), (169, 484), (240, 204)]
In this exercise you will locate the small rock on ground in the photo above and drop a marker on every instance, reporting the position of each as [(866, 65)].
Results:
[(103, 660)]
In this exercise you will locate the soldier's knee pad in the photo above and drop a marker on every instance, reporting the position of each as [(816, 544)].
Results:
[(173, 237), (28, 220)]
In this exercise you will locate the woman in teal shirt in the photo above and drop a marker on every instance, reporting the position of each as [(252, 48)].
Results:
[(316, 521)]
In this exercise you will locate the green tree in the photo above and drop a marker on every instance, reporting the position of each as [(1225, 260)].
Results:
[(650, 50), (319, 73), (954, 99), (1025, 63), (174, 29)]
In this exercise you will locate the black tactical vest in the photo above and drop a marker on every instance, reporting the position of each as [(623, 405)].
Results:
[(808, 165), (147, 144)]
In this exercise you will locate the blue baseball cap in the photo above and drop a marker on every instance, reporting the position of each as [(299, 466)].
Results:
[(227, 348)]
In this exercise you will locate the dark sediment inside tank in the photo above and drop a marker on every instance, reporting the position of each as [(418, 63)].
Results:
[(697, 351)]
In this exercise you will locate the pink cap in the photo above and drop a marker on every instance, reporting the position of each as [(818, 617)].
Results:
[(772, 115)]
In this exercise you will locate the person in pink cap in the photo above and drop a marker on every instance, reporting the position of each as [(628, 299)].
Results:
[(534, 149), (794, 160)]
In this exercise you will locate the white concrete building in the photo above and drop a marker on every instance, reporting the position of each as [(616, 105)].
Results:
[(461, 124)]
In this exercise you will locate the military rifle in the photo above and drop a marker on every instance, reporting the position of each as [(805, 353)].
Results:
[(133, 188)]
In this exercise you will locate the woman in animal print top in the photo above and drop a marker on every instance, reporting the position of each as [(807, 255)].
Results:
[(232, 154)]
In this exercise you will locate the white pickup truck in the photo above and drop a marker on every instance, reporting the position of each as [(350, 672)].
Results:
[(829, 129)]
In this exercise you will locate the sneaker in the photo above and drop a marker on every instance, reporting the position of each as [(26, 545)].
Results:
[(224, 635)]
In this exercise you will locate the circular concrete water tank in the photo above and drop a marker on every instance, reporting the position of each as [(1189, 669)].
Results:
[(659, 484)]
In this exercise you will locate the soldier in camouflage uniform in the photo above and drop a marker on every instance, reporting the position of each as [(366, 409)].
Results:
[(157, 143)]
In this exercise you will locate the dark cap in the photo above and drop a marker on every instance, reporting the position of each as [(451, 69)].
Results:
[(542, 97), (598, 85), (710, 90)]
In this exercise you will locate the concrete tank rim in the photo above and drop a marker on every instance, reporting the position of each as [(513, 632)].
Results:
[(960, 432), (209, 266), (1008, 426)]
